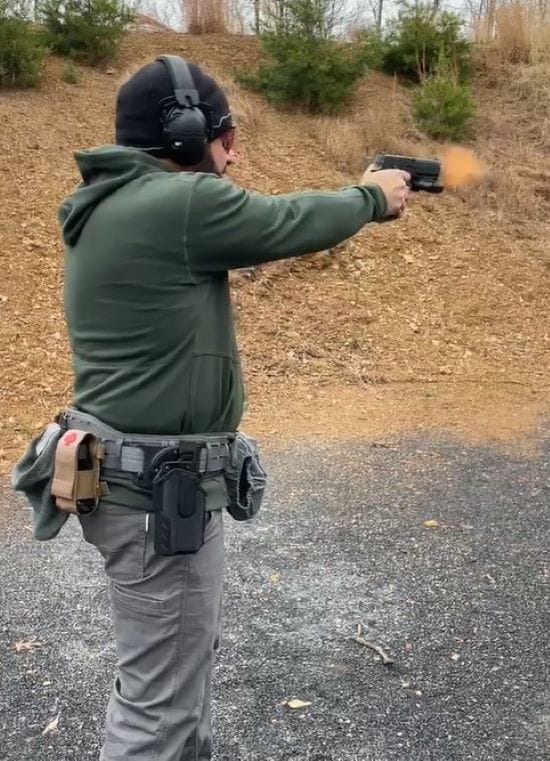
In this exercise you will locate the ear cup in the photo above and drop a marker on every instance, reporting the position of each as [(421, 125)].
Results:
[(185, 134), (185, 126)]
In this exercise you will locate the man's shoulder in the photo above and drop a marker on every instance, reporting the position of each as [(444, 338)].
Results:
[(201, 184)]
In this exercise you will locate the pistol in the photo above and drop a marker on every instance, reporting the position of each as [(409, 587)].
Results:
[(425, 173)]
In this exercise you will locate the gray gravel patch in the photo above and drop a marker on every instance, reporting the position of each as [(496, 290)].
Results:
[(341, 540)]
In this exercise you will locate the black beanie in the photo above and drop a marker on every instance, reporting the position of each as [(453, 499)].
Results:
[(138, 107)]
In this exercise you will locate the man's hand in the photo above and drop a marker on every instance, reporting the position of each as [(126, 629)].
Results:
[(393, 183)]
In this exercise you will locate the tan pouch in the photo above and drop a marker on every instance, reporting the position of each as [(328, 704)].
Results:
[(76, 484)]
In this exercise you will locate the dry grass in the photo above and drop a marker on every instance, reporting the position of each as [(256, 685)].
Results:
[(506, 193), (342, 141), (247, 109), (207, 16), (531, 85), (513, 33), (516, 32), (540, 48), (376, 125), (516, 187), (513, 121)]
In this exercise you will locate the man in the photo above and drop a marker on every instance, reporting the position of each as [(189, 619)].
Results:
[(150, 235)]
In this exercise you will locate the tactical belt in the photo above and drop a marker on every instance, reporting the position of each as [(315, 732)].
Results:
[(134, 453), (89, 453)]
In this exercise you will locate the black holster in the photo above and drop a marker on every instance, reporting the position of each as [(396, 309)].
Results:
[(179, 507)]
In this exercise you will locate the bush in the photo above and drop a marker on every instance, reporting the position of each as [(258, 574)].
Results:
[(301, 64), (70, 74), (443, 108), (88, 30), (374, 47), (316, 74), (420, 38), (21, 50)]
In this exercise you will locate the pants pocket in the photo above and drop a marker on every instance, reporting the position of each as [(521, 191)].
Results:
[(119, 534), (146, 633), (135, 605)]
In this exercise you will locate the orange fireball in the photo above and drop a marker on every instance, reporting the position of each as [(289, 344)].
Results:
[(460, 168)]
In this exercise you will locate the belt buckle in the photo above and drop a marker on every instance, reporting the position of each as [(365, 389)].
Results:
[(153, 459)]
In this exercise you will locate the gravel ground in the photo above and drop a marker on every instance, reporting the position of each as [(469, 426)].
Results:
[(341, 541)]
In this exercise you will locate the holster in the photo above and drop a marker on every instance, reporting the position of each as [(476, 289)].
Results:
[(76, 483), (179, 508)]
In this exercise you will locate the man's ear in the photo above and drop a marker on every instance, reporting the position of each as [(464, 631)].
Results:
[(233, 157)]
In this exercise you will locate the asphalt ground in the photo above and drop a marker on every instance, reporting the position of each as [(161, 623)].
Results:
[(461, 608)]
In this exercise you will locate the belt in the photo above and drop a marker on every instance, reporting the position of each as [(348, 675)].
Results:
[(133, 453)]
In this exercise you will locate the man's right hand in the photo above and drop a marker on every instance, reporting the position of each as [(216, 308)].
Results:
[(393, 183)]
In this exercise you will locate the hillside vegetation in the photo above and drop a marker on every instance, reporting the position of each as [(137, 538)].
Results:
[(452, 301)]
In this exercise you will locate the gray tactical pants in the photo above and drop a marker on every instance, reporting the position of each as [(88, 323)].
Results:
[(166, 614)]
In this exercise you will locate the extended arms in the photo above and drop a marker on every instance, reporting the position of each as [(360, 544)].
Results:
[(230, 228)]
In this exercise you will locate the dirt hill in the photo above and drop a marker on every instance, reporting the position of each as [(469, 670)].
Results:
[(441, 317)]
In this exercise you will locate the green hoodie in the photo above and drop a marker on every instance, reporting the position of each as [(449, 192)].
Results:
[(147, 299)]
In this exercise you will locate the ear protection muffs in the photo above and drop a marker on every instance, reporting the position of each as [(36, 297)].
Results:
[(185, 126)]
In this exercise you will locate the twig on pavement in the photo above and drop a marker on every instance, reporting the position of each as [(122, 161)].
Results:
[(378, 649)]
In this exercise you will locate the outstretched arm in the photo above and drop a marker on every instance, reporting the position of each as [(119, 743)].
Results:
[(229, 227)]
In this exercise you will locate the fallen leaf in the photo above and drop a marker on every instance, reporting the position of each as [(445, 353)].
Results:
[(53, 726), (27, 646), (296, 703), (431, 524), (275, 577)]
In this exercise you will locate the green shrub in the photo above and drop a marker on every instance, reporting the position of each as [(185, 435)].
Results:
[(21, 50), (301, 64), (374, 47), (420, 38), (88, 30), (444, 108), (70, 74), (315, 74)]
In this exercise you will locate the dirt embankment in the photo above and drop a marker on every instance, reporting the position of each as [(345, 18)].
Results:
[(441, 318)]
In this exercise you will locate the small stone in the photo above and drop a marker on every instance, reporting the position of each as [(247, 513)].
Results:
[(431, 524)]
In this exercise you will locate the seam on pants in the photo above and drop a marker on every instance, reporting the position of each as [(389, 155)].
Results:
[(177, 657)]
